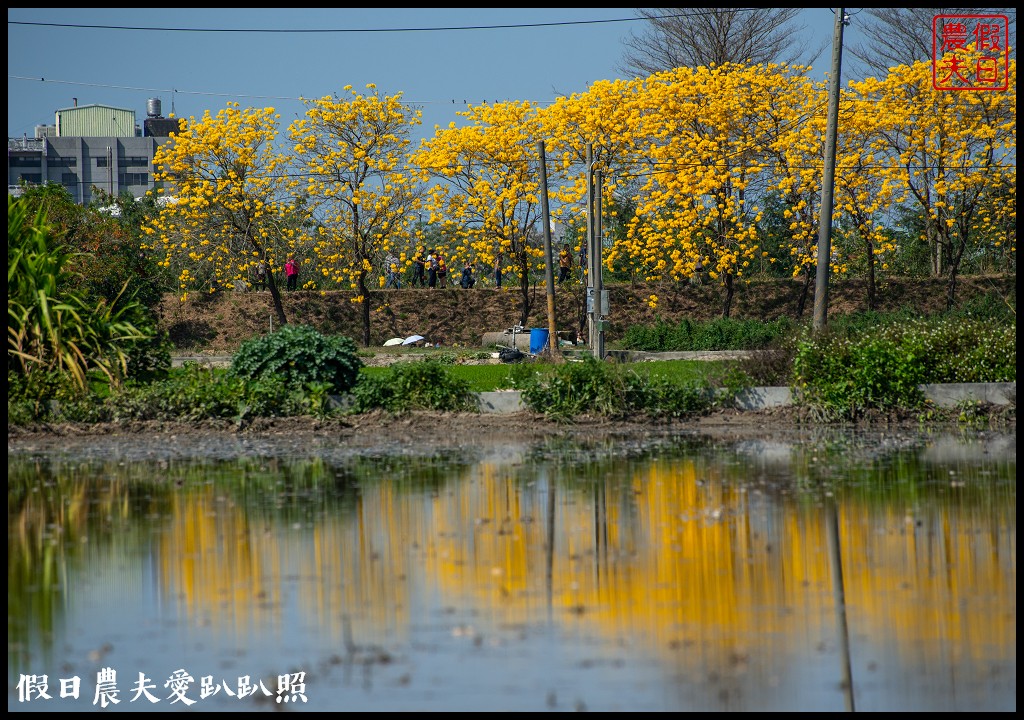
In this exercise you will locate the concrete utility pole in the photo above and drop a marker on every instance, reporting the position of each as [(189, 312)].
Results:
[(598, 267), (595, 332), (828, 179), (591, 330), (549, 273)]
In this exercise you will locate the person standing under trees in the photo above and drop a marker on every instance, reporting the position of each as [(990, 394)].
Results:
[(442, 270), (261, 276), (391, 272), (291, 271), (498, 260), (564, 264), (432, 269), (419, 266), (467, 281)]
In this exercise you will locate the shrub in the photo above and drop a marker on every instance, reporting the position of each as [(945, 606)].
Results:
[(591, 387), (424, 385), (770, 366), (198, 394), (718, 334), (298, 355), (846, 373), (845, 377)]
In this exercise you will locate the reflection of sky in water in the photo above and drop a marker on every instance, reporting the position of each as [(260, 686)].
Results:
[(695, 583)]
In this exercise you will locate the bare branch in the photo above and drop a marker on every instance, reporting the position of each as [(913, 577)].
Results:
[(695, 37)]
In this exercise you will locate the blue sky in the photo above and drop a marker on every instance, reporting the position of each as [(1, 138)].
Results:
[(538, 54)]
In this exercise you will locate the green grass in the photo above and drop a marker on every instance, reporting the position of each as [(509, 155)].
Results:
[(485, 378), (681, 371)]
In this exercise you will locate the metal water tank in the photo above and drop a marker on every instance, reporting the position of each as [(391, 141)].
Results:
[(153, 107)]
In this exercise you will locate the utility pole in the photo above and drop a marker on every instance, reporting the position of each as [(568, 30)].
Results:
[(595, 333), (591, 330), (598, 266), (549, 273), (828, 179)]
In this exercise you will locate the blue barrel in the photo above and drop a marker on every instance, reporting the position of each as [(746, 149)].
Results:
[(538, 340)]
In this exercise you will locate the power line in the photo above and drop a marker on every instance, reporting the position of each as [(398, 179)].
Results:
[(179, 91), (350, 30)]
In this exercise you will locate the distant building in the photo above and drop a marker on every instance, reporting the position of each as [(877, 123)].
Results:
[(92, 146)]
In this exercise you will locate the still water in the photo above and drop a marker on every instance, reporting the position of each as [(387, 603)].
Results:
[(834, 574)]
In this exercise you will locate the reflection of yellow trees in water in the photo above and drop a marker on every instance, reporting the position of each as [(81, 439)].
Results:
[(675, 555), (212, 560)]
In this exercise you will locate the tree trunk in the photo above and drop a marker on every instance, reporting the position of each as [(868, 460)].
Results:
[(955, 259), (805, 291), (729, 289), (581, 300), (523, 263), (526, 305), (275, 295), (364, 307), (871, 274)]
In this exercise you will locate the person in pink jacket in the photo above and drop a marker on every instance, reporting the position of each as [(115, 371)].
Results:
[(291, 271)]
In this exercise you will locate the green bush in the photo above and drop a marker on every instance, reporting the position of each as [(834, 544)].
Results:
[(40, 396), (845, 377), (198, 394), (424, 385), (658, 396), (844, 374), (718, 334), (298, 355), (959, 350), (991, 306), (591, 387)]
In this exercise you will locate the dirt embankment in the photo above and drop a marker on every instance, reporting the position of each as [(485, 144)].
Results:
[(426, 432), (218, 324)]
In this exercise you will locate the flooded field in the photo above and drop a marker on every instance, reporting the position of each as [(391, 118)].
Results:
[(841, 572)]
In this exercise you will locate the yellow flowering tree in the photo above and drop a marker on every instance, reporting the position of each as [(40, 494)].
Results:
[(947, 151), (607, 119), (792, 137), (486, 189), (716, 142), (864, 197), (362, 195), (697, 154), (232, 203)]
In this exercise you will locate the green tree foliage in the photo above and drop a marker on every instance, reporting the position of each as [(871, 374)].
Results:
[(52, 327)]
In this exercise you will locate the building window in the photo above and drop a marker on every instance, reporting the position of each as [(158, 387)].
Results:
[(135, 161), (63, 162), (69, 180), (126, 179), (33, 178), (16, 161), (101, 162)]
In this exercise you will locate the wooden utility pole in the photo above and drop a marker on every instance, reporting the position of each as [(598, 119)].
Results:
[(549, 273), (828, 178)]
